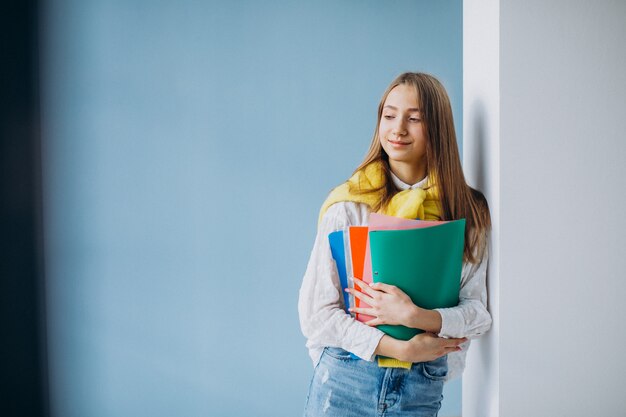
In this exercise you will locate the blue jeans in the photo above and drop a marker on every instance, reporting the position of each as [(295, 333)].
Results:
[(345, 386)]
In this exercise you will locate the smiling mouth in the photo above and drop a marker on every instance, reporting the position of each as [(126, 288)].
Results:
[(395, 142)]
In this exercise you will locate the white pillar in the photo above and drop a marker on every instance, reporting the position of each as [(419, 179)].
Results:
[(481, 125), (545, 123)]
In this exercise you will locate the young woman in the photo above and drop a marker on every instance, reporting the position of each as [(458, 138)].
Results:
[(411, 170)]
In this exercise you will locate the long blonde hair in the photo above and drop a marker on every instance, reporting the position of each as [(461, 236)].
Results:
[(457, 199)]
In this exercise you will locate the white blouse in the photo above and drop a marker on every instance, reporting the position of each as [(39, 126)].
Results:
[(321, 307)]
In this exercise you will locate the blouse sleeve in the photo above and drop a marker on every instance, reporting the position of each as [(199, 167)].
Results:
[(470, 317), (320, 306)]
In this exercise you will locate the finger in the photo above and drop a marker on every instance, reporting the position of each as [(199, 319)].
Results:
[(363, 297), (360, 310), (452, 349), (453, 342), (374, 322), (381, 286), (365, 287)]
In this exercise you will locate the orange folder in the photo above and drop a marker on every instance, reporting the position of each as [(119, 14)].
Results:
[(358, 251)]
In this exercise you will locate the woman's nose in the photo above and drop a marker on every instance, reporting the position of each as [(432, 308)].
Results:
[(399, 128)]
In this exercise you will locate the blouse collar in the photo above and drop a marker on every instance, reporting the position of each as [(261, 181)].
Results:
[(404, 186)]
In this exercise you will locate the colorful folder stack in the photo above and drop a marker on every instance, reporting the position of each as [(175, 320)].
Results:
[(423, 258)]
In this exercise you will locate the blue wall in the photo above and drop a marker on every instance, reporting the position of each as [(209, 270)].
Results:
[(187, 148)]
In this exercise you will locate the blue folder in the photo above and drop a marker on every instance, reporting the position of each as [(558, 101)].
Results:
[(339, 255)]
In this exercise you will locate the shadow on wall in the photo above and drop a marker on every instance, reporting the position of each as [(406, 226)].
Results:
[(477, 144), (477, 147)]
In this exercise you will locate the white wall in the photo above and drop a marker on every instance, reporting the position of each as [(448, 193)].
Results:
[(481, 122), (561, 208)]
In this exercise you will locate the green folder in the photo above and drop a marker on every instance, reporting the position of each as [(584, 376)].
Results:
[(425, 263)]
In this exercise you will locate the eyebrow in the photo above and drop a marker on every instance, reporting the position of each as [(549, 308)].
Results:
[(395, 108)]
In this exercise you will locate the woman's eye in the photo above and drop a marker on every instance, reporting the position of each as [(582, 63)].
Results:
[(414, 119), (388, 117)]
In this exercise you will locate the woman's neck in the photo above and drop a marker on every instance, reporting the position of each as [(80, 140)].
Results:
[(408, 173)]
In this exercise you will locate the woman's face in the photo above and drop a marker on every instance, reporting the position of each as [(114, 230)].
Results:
[(401, 131)]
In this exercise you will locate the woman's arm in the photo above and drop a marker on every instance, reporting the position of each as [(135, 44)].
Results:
[(322, 318), (470, 318), (421, 348)]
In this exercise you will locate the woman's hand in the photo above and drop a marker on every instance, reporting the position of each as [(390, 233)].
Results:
[(427, 347), (420, 348), (390, 305)]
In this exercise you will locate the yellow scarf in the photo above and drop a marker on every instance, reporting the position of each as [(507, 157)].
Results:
[(409, 204)]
